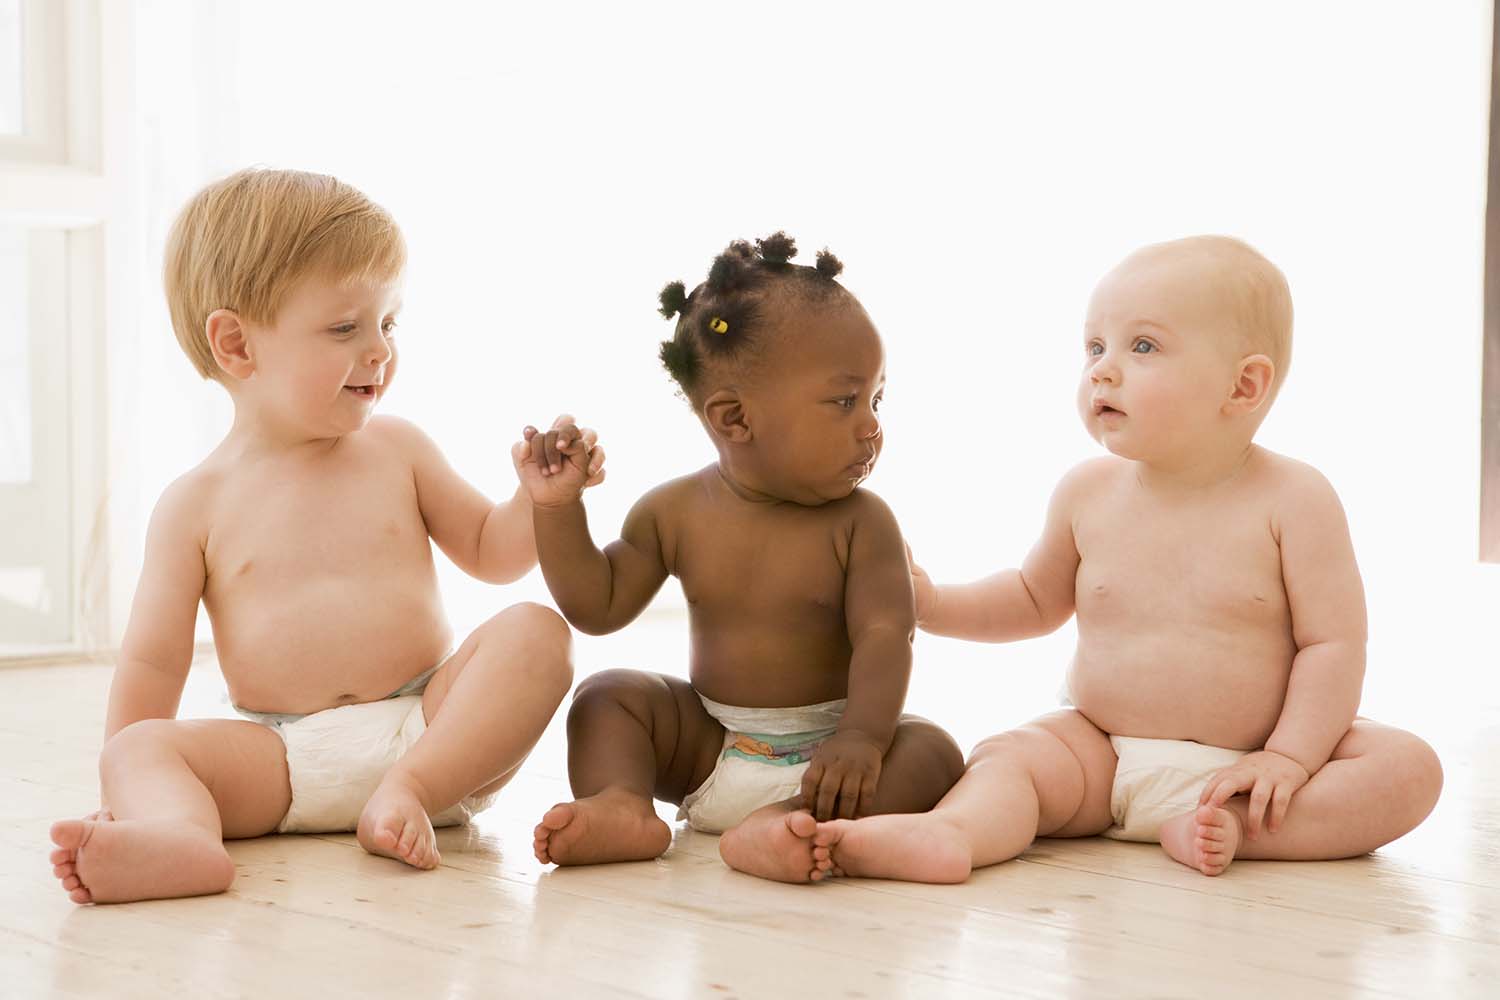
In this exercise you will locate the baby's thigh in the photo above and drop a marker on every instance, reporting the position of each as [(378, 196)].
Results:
[(242, 765), (923, 762), (1072, 767), (615, 710)]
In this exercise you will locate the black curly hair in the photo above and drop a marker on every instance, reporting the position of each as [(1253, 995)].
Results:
[(721, 323)]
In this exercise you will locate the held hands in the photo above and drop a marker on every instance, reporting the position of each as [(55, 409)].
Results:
[(923, 585), (1269, 777), (558, 464), (841, 779)]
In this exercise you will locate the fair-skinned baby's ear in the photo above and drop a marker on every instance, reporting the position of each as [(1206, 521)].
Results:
[(724, 412), (226, 338), (1252, 384)]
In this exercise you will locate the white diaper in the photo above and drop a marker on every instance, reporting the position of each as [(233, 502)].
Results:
[(766, 750), (336, 758), (1156, 780)]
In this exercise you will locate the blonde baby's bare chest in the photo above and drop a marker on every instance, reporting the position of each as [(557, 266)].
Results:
[(320, 580)]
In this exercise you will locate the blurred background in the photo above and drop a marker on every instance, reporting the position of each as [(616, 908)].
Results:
[(976, 167)]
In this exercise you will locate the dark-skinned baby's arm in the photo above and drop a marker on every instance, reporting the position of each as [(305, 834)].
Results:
[(881, 618)]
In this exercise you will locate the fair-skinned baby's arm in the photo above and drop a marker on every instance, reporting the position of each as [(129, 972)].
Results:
[(1014, 603), (1327, 604), (596, 591), (158, 646), (492, 542), (1327, 601), (880, 615)]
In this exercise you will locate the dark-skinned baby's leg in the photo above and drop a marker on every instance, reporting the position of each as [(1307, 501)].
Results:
[(1380, 783), (776, 842), (632, 737), (1050, 778)]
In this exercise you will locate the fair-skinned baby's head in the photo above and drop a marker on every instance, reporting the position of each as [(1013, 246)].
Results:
[(284, 286), (784, 369), (1186, 344)]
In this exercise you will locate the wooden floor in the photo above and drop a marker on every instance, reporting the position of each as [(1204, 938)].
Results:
[(315, 916)]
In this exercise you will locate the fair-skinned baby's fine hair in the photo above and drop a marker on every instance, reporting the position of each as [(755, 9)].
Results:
[(1255, 288), (244, 242)]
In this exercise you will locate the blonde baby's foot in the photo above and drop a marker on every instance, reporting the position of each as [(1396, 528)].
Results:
[(101, 861), (915, 847), (613, 825), (776, 845), (394, 824), (1205, 839)]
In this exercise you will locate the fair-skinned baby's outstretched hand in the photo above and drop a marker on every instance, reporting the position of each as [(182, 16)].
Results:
[(1270, 778), (923, 585), (557, 465), (842, 776)]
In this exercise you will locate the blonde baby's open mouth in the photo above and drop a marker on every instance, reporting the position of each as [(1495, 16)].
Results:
[(367, 391)]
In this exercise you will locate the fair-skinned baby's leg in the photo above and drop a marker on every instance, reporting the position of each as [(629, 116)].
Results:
[(1378, 785), (632, 737), (776, 841), (1049, 778), (485, 708), (175, 791)]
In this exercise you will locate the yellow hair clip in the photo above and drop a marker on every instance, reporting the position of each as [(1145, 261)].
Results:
[(717, 325)]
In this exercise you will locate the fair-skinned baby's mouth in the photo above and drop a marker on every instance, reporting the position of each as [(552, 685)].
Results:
[(363, 391)]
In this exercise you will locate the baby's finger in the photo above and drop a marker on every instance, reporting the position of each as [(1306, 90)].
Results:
[(1220, 790), (549, 449), (1260, 795), (596, 459), (563, 419), (1281, 799), (849, 796), (590, 437), (828, 793), (528, 432), (867, 791), (811, 778)]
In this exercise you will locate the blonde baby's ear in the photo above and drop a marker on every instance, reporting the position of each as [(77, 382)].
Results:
[(227, 340), (1253, 380), (724, 412)]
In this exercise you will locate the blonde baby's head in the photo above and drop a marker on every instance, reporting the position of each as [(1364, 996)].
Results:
[(284, 287), (245, 242), (1186, 345)]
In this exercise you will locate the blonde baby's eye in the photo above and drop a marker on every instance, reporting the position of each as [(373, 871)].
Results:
[(389, 327), (875, 405), (1094, 349), (1143, 347)]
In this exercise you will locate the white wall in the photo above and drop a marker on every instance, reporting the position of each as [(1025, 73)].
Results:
[(976, 169)]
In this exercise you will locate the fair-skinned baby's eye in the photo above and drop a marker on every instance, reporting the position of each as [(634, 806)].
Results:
[(389, 328), (845, 402), (1139, 344), (1093, 349), (345, 329), (875, 404)]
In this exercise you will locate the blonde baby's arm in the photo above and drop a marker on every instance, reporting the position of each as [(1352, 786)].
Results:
[(1327, 602), (158, 646), (493, 542), (1019, 603)]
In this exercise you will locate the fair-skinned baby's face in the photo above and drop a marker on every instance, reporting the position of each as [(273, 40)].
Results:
[(328, 357), (1159, 363)]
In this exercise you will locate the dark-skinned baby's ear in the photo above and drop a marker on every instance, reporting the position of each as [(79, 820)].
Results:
[(724, 412)]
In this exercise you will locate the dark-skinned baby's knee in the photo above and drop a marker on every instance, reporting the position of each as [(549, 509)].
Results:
[(608, 690)]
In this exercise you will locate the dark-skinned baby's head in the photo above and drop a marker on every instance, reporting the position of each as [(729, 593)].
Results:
[(729, 325)]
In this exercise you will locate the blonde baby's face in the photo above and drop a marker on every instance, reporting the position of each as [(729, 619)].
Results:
[(1160, 360), (328, 358)]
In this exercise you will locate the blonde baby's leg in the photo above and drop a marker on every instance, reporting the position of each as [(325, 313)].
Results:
[(1050, 778), (174, 791), (485, 709), (1380, 783)]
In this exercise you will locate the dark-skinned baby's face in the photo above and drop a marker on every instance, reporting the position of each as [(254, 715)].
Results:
[(814, 407)]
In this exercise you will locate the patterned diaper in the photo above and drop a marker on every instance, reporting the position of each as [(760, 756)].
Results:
[(766, 751)]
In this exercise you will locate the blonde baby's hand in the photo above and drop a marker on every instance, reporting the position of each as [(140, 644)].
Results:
[(842, 776), (1270, 778), (557, 465), (922, 583)]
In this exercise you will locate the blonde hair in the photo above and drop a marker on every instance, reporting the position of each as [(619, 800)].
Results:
[(244, 242), (1258, 293)]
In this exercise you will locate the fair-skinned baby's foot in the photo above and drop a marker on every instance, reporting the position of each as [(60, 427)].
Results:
[(395, 825), (775, 845), (116, 861), (916, 847), (1205, 839), (612, 825)]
